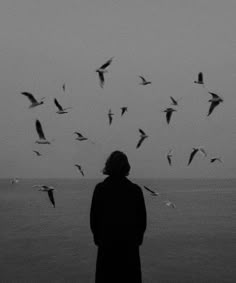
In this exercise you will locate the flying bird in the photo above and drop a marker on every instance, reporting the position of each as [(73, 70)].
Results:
[(169, 157), (216, 100), (110, 114), (14, 181), (214, 159), (194, 151), (123, 110), (80, 137), (61, 110), (80, 169), (64, 87), (34, 102), (169, 112), (143, 136), (144, 81), (200, 79), (169, 203), (37, 153), (49, 190), (39, 129), (101, 70), (151, 191)]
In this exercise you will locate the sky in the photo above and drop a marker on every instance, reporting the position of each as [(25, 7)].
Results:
[(46, 43)]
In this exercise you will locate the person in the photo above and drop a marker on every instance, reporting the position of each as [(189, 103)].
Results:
[(118, 222)]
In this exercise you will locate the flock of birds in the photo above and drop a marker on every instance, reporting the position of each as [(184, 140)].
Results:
[(102, 70)]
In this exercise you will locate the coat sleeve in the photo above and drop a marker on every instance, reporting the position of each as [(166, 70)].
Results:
[(94, 214), (142, 217)]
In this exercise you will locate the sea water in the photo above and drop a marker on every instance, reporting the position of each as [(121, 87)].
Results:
[(194, 242)]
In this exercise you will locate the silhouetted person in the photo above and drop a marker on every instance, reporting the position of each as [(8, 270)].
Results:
[(118, 223)]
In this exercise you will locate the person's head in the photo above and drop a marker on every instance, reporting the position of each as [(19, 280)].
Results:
[(117, 164)]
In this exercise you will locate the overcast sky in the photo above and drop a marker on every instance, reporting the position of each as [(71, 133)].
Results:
[(45, 43)]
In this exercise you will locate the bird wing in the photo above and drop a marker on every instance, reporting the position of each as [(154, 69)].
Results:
[(151, 191), (203, 151), (200, 77), (79, 134), (37, 152), (169, 159), (192, 155), (105, 65), (30, 97), (140, 142), (39, 130), (51, 197), (143, 79), (58, 105), (212, 107), (214, 95), (81, 171), (110, 118), (101, 79), (64, 87), (142, 132), (173, 100)]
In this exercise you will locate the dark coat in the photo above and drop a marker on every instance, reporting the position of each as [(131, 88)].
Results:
[(118, 223)]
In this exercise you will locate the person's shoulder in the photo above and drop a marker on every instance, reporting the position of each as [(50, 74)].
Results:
[(135, 186)]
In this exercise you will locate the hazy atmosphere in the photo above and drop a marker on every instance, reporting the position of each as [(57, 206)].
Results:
[(48, 43)]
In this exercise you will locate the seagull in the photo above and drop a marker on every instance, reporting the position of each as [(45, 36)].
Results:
[(216, 100), (103, 70), (39, 129), (194, 151), (37, 153), (80, 137), (123, 110), (143, 136), (61, 109), (169, 203), (110, 114), (214, 159), (200, 79), (174, 101), (144, 81), (169, 112), (151, 191), (80, 169), (14, 181), (64, 87), (33, 100), (49, 190), (169, 156)]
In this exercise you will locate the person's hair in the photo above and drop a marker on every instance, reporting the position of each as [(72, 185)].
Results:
[(117, 164)]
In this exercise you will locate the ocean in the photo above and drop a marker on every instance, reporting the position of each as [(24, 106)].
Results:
[(193, 242)]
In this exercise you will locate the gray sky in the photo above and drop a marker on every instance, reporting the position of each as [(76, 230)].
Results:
[(45, 43)]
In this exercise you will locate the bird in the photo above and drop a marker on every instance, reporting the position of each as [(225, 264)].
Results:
[(80, 169), (169, 156), (123, 110), (144, 81), (80, 137), (37, 153), (151, 191), (39, 129), (61, 110), (169, 112), (64, 87), (214, 159), (174, 101), (110, 114), (143, 136), (216, 100), (33, 100), (101, 70), (194, 151), (14, 181), (200, 79), (49, 190), (169, 203)]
